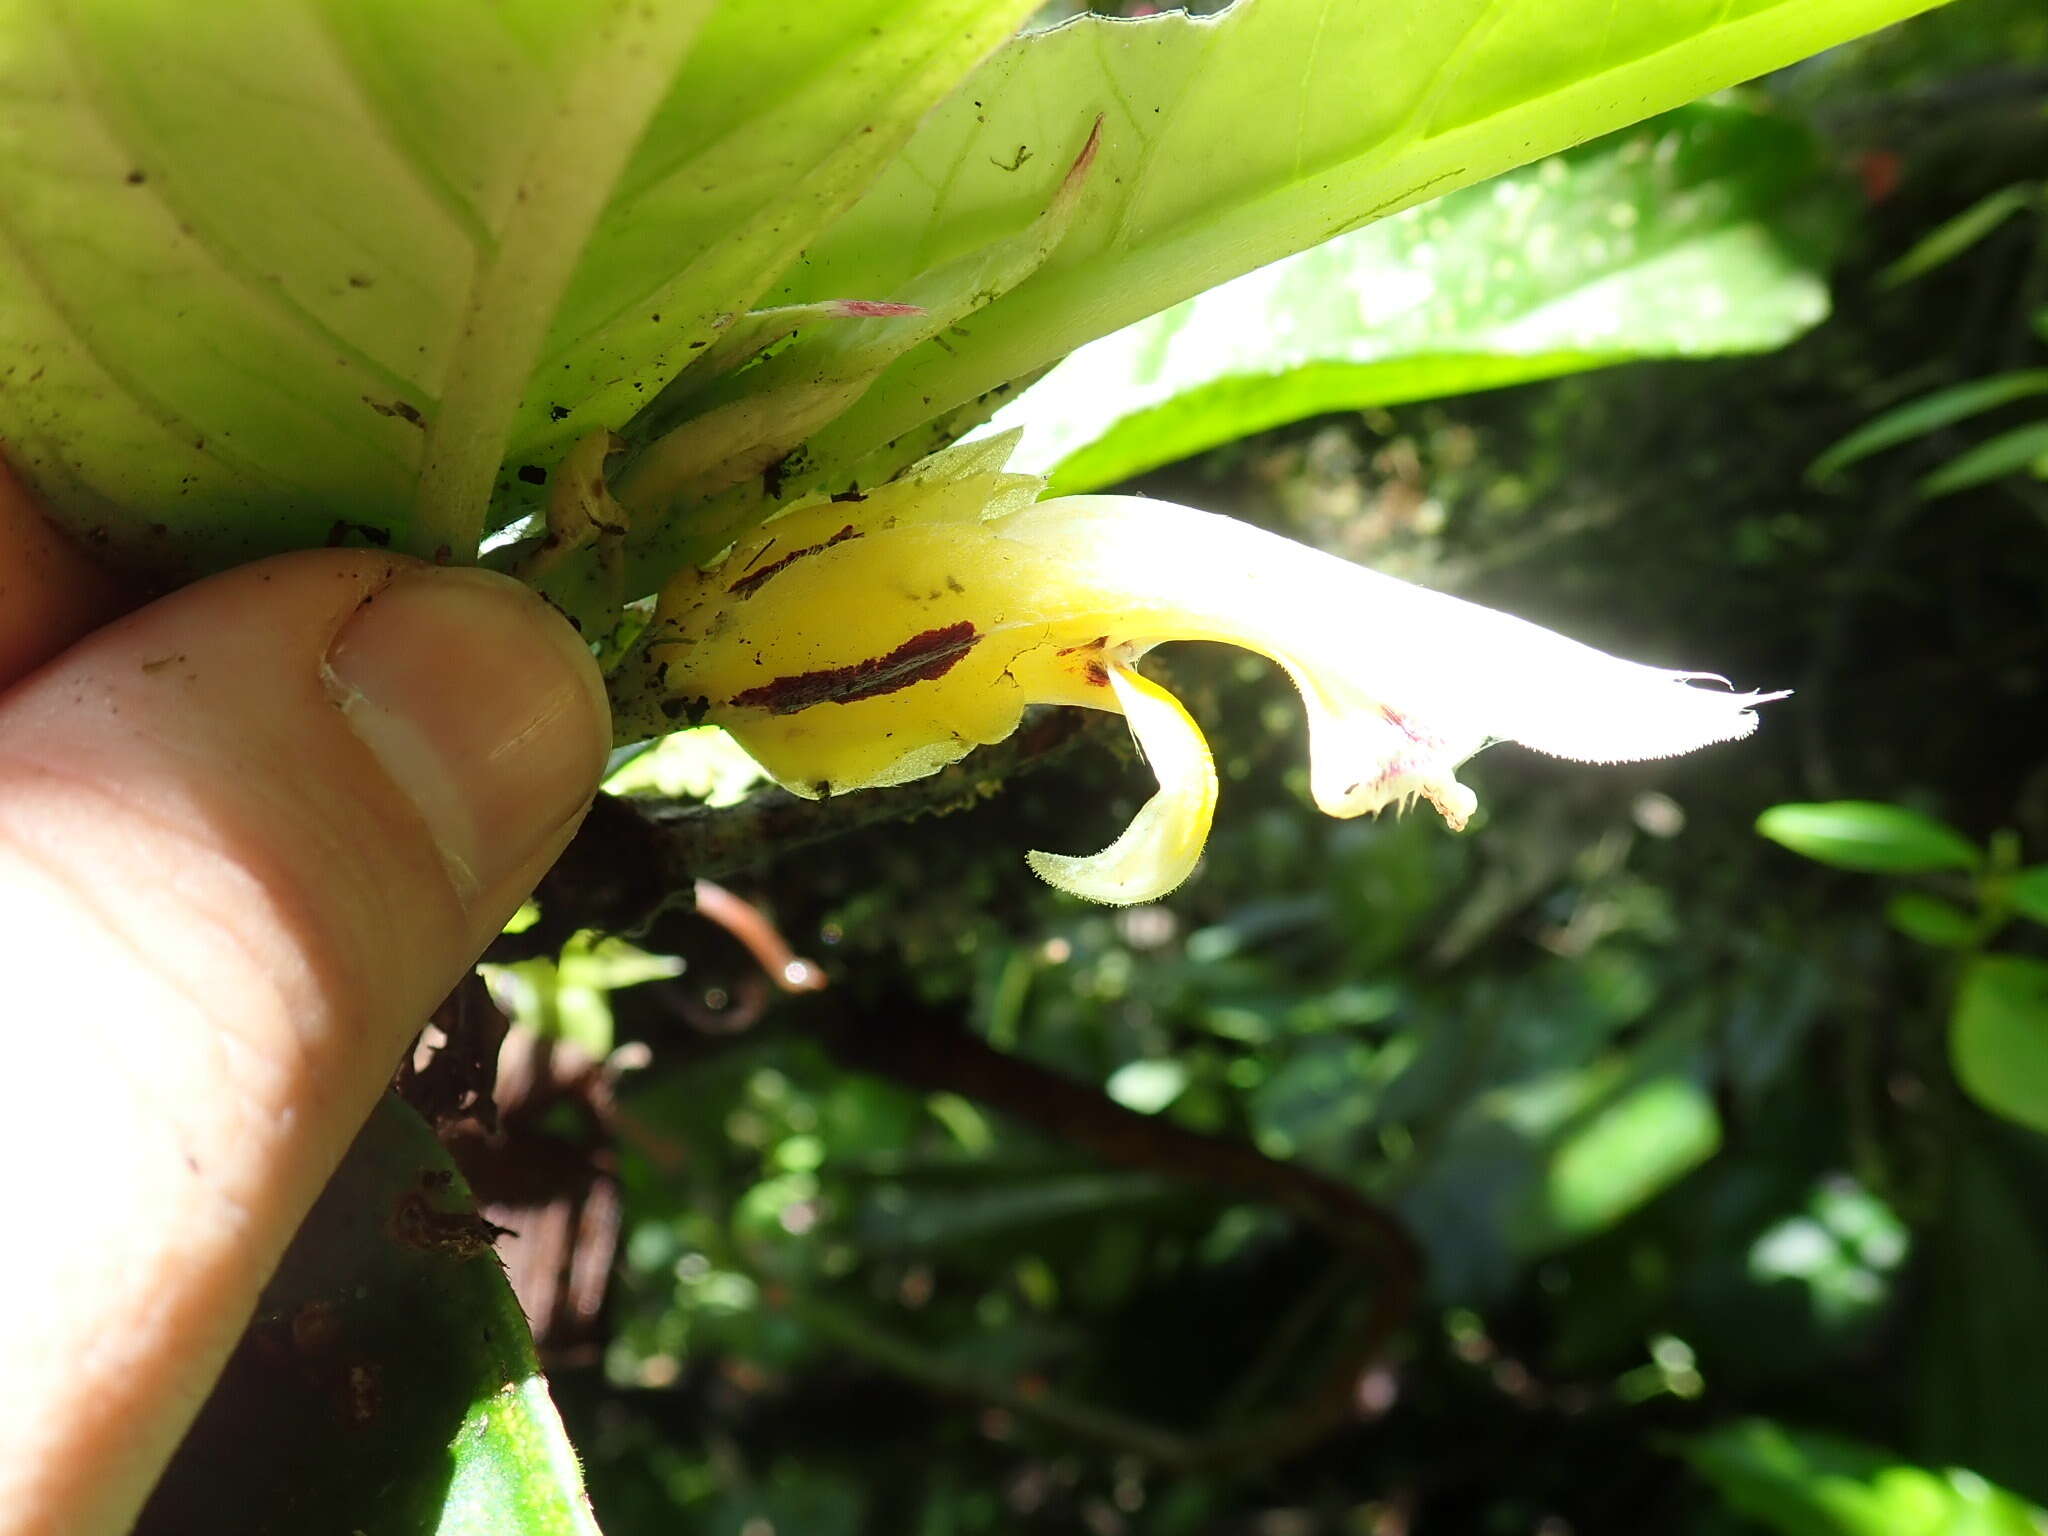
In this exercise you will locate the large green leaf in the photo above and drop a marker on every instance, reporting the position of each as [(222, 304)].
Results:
[(269, 272), (1234, 140), (1805, 1484), (1689, 237), (387, 1382)]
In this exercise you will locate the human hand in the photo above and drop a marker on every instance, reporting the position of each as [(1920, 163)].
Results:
[(249, 836)]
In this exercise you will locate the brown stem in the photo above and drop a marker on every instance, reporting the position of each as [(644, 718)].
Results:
[(635, 858), (764, 941)]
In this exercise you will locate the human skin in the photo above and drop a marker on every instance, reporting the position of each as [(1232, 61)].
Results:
[(250, 834)]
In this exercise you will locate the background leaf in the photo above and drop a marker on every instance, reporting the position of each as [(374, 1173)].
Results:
[(1979, 1377), (1944, 243), (1867, 836), (1931, 920), (1701, 233), (1998, 1038), (2006, 454), (2029, 892), (1916, 418), (1806, 1484)]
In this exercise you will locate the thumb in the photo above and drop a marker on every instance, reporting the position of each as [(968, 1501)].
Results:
[(249, 836)]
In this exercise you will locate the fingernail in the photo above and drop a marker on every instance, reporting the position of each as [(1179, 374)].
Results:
[(482, 705)]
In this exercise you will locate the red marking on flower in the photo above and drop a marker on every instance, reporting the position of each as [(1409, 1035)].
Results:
[(919, 659), (1400, 723), (749, 584)]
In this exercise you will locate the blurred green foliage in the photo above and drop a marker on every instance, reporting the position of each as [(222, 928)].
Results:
[(1815, 1485)]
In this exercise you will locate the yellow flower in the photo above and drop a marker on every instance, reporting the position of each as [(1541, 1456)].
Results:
[(870, 640)]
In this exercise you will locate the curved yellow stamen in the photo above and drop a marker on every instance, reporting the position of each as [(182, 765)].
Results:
[(1158, 850)]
